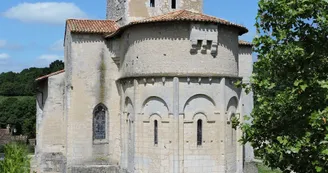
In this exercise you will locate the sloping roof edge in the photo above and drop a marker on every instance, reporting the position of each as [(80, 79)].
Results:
[(245, 43), (181, 15), (49, 75), (90, 26)]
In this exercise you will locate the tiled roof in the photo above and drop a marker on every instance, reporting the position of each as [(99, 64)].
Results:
[(184, 15), (49, 75), (245, 43), (91, 26)]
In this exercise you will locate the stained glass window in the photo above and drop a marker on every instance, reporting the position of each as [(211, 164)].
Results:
[(99, 122)]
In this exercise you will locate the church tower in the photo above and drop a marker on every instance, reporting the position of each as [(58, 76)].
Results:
[(126, 11)]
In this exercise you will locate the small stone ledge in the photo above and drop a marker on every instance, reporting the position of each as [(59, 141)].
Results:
[(95, 169)]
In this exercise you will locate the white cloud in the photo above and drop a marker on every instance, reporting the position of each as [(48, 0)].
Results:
[(57, 46), (50, 58), (45, 12), (4, 56), (3, 43)]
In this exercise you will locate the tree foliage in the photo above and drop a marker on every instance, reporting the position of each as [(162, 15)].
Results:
[(289, 128), (23, 83), (17, 98), (20, 113)]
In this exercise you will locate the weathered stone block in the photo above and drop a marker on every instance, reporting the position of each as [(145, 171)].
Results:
[(250, 167), (53, 162)]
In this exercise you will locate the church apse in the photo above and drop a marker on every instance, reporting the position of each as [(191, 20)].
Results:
[(152, 95)]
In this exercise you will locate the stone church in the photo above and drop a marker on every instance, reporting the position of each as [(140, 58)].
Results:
[(150, 89)]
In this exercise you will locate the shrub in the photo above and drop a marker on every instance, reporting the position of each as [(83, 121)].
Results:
[(16, 159)]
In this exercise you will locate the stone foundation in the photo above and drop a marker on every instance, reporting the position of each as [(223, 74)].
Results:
[(96, 169), (250, 167)]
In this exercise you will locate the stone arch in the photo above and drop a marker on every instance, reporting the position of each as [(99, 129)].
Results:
[(231, 133), (232, 107), (199, 103), (100, 105), (128, 101), (155, 116), (155, 106), (199, 115), (196, 96), (129, 108)]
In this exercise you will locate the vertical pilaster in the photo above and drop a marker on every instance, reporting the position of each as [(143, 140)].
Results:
[(222, 126), (175, 130), (122, 123), (135, 122), (239, 152), (181, 142)]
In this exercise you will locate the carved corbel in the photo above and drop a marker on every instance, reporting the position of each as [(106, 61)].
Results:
[(145, 81), (163, 80), (188, 80), (194, 46), (210, 80), (214, 49)]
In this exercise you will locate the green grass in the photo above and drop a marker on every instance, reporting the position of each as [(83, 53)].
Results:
[(265, 169)]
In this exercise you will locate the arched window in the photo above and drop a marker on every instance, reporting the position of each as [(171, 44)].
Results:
[(99, 122), (233, 129), (199, 132), (173, 4), (155, 132), (152, 3)]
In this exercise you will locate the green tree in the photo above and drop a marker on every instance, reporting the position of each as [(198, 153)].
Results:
[(20, 113), (56, 66), (289, 128), (23, 83)]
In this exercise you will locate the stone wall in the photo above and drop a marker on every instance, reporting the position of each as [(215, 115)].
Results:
[(130, 10), (51, 129), (167, 50), (245, 71), (92, 77), (177, 104)]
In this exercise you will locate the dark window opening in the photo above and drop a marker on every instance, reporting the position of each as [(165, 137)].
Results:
[(199, 132), (152, 3), (155, 132), (174, 4)]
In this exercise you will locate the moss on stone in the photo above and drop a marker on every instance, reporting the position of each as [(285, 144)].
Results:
[(102, 78)]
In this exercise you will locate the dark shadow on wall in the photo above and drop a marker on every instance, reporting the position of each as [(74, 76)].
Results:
[(226, 37), (42, 93), (230, 84)]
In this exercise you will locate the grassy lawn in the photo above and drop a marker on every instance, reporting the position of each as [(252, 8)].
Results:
[(264, 169)]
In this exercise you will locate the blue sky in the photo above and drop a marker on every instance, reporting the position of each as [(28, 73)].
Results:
[(32, 31)]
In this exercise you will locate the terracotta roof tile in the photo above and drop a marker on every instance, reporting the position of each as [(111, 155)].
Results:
[(184, 15), (245, 43), (49, 75), (91, 26)]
